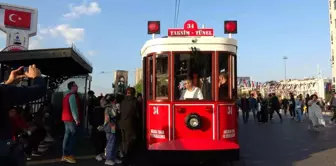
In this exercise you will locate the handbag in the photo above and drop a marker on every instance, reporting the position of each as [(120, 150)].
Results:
[(107, 127)]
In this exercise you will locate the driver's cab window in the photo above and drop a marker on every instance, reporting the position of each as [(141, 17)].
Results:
[(193, 76), (223, 77)]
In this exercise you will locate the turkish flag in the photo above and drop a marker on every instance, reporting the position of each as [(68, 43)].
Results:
[(17, 19)]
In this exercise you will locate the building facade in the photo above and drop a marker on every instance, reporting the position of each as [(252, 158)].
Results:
[(332, 23), (138, 75), (309, 86)]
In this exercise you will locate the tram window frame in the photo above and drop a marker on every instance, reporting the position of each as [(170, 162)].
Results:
[(234, 88), (158, 68), (150, 77), (230, 71), (175, 83)]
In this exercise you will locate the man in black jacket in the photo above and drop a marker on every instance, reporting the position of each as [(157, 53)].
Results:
[(275, 107), (97, 119), (10, 153), (292, 105), (245, 107), (129, 115)]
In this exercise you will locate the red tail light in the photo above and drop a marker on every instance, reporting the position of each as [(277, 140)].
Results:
[(230, 27), (153, 27)]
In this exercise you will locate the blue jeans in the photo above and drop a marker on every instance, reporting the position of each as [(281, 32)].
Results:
[(298, 114), (111, 147), (69, 138)]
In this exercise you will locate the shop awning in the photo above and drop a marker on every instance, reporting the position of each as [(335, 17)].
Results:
[(52, 62)]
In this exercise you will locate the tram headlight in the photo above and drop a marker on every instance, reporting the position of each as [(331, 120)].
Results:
[(230, 27), (193, 121), (153, 27)]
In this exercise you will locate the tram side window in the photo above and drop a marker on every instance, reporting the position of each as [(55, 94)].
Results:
[(223, 67), (161, 76), (150, 84), (193, 76)]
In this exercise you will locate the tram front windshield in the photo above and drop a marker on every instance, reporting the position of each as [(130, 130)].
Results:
[(193, 76)]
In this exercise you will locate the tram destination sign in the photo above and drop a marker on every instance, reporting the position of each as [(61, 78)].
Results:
[(190, 28)]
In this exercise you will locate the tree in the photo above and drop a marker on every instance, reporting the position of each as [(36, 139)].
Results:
[(138, 87)]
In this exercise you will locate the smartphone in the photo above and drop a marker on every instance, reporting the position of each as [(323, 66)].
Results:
[(23, 70)]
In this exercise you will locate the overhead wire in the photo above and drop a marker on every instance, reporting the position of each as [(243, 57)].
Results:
[(176, 13)]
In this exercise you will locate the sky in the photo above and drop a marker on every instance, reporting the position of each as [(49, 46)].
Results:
[(110, 33)]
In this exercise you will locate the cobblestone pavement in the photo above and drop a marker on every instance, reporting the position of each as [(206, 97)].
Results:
[(274, 144)]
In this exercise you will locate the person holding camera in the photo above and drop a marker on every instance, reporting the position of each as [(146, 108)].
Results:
[(11, 153)]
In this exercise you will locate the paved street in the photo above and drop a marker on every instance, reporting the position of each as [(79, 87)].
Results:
[(275, 144), (286, 144)]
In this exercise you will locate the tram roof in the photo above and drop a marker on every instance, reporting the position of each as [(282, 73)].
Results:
[(167, 44), (53, 62)]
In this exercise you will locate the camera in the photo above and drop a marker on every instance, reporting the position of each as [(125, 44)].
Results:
[(23, 70)]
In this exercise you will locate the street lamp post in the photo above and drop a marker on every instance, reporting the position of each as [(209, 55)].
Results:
[(285, 62)]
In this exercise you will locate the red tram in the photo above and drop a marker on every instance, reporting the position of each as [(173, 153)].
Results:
[(190, 86)]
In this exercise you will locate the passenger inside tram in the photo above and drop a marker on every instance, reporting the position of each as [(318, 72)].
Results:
[(191, 92), (223, 86)]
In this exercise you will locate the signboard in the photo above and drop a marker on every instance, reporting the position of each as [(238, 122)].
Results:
[(14, 48), (159, 123), (190, 29), (120, 81), (19, 23), (227, 122)]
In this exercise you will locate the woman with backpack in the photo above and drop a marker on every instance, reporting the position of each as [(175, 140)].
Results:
[(110, 125)]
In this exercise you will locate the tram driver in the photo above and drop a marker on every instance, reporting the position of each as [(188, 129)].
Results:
[(223, 86), (191, 91)]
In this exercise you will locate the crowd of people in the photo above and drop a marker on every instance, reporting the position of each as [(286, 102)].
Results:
[(31, 130), (115, 121), (297, 106)]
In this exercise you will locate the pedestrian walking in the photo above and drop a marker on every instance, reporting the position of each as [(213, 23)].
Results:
[(316, 119), (245, 107), (98, 137), (129, 113), (275, 106), (298, 108), (71, 116), (332, 104), (110, 125), (253, 105)]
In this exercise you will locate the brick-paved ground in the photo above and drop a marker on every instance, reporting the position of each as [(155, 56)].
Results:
[(275, 144)]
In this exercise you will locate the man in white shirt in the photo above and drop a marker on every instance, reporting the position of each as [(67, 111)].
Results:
[(191, 92)]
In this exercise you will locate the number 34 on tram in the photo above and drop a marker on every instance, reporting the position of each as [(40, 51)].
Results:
[(190, 87)]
